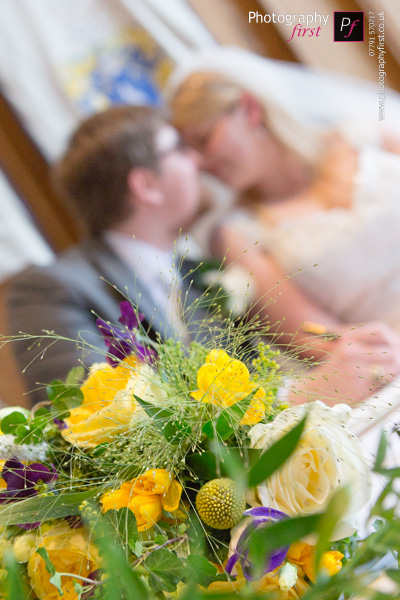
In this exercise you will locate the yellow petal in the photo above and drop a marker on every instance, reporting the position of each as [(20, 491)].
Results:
[(154, 481), (170, 500), (147, 510), (115, 500)]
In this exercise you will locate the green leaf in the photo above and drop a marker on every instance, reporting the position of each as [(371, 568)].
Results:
[(75, 376), (221, 430), (64, 397), (12, 421), (123, 582), (43, 508), (209, 466), (78, 589), (14, 582), (203, 465), (166, 570), (124, 522), (200, 570), (265, 540), (174, 431), (42, 412), (232, 465), (393, 574), (228, 420), (137, 548), (276, 455), (381, 453), (334, 511), (55, 578), (238, 410)]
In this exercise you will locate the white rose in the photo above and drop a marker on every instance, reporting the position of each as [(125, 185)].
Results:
[(328, 456)]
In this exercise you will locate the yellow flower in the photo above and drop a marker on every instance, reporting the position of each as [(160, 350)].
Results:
[(70, 552), (224, 381), (331, 562), (146, 496), (108, 406), (303, 555), (23, 546), (268, 583)]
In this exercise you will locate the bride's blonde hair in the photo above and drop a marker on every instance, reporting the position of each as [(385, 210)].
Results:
[(205, 95)]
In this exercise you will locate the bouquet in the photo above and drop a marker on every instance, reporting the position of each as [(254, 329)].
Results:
[(170, 472)]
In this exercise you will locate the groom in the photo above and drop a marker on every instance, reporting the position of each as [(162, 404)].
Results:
[(136, 188)]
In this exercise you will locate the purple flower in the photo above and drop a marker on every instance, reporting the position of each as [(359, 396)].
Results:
[(122, 342), (22, 481), (60, 424), (261, 515), (74, 521)]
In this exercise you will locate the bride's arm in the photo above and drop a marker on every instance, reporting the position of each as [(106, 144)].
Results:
[(277, 299), (365, 359)]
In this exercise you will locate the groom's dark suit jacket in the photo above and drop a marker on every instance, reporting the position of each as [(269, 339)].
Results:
[(87, 281)]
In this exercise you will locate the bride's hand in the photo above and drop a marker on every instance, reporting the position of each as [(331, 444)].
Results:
[(335, 180), (358, 363)]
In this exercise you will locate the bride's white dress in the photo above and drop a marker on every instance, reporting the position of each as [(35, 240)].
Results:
[(347, 260)]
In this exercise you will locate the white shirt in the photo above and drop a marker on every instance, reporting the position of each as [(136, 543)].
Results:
[(155, 268)]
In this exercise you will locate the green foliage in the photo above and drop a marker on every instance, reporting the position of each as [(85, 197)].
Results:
[(211, 464), (166, 570), (179, 368), (173, 429), (26, 430), (200, 570), (55, 578), (228, 420), (123, 524), (278, 535), (66, 395), (43, 508), (14, 587), (123, 582), (335, 509)]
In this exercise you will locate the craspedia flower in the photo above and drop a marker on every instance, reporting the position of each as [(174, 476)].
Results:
[(220, 503)]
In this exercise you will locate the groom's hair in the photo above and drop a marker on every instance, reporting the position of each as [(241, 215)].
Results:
[(92, 174)]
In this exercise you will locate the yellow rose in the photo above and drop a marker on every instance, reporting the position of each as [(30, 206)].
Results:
[(70, 552), (23, 546), (303, 555), (331, 562), (268, 583), (146, 496), (328, 456), (224, 381), (108, 407)]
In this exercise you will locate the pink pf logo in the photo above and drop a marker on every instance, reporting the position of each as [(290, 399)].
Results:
[(348, 26)]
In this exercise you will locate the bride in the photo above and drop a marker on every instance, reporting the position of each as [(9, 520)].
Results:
[(316, 203)]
